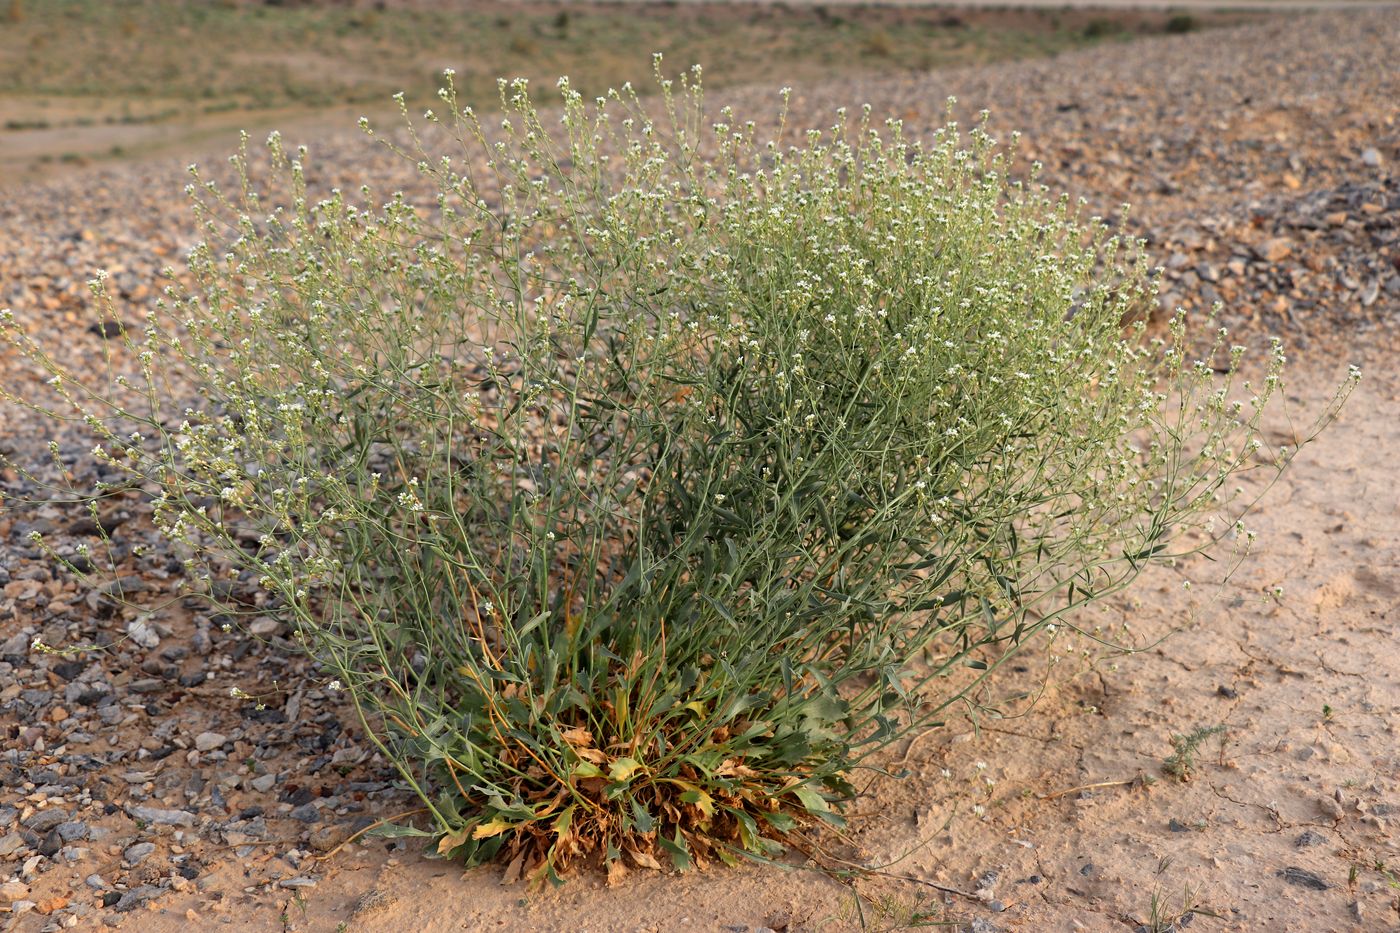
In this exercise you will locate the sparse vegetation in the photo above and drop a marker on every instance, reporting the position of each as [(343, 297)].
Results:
[(1181, 763)]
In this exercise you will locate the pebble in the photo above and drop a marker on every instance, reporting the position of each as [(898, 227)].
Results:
[(12, 891), (1303, 878), (208, 741), (161, 817), (1273, 250), (134, 898), (73, 831), (45, 820), (136, 854), (307, 813)]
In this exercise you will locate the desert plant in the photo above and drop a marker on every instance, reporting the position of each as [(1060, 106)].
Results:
[(650, 475), (1181, 763)]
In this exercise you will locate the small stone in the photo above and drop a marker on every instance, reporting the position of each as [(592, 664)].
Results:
[(1371, 158), (45, 820), (135, 897), (143, 633), (263, 783), (1309, 838), (263, 626), (1330, 807), (208, 741), (58, 714), (10, 844), (328, 837), (1274, 249), (50, 844), (307, 813), (12, 891), (1229, 693), (160, 817), (95, 882), (138, 853), (298, 882), (72, 831), (1303, 878)]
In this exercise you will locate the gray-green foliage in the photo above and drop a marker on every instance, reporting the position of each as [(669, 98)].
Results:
[(657, 473)]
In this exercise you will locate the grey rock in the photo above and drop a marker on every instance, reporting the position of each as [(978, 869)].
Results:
[(1303, 878), (50, 844), (10, 844), (143, 633), (307, 813), (136, 854), (95, 882), (299, 882), (208, 741), (73, 831), (162, 817), (263, 783), (136, 897), (45, 820), (1309, 838), (1371, 158), (124, 586)]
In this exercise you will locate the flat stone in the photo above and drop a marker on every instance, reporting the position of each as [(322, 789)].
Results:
[(72, 831), (136, 897), (307, 813), (45, 820), (1303, 878), (138, 853), (161, 817), (208, 741), (10, 844), (263, 783), (12, 891), (263, 626)]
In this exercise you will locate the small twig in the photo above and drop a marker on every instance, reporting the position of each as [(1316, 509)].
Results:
[(816, 852), (1071, 790)]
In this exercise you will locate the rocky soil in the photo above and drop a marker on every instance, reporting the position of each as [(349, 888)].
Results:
[(1263, 166)]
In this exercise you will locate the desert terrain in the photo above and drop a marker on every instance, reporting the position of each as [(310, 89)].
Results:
[(1261, 158)]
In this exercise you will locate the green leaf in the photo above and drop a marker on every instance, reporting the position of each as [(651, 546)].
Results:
[(641, 818), (677, 849), (622, 769)]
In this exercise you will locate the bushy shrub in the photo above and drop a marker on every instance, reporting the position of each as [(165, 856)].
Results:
[(655, 475)]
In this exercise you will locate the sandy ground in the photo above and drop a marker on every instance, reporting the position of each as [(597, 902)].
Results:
[(1301, 792)]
